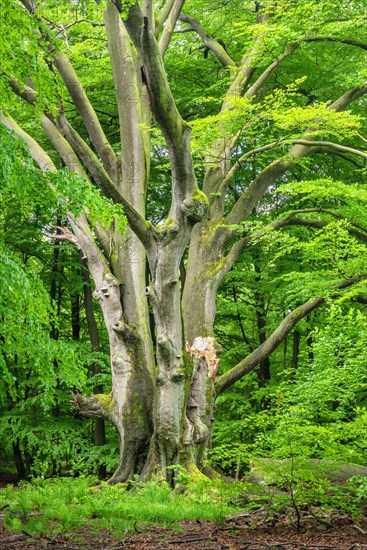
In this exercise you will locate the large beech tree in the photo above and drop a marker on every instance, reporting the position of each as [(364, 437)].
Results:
[(260, 129)]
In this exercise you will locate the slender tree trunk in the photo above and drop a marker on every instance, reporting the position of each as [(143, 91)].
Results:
[(285, 346), (99, 423), (75, 315), (19, 462), (295, 354), (54, 293), (239, 318), (309, 347), (56, 296), (263, 372)]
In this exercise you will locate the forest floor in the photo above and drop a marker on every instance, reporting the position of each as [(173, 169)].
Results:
[(245, 531)]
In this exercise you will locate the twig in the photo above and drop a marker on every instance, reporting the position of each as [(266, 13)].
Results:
[(359, 529)]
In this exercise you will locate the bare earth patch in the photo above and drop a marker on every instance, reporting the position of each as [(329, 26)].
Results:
[(247, 531)]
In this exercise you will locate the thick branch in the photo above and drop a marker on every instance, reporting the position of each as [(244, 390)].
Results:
[(137, 223), (147, 8), (133, 109), (170, 26), (211, 43), (271, 343), (176, 131), (330, 213), (81, 102), (247, 67), (243, 207), (239, 246), (94, 406), (253, 90), (27, 93), (87, 156), (80, 226), (290, 219), (30, 5), (346, 99), (162, 17), (319, 224), (239, 162), (222, 148), (86, 111), (330, 146), (62, 147), (103, 181), (322, 146)]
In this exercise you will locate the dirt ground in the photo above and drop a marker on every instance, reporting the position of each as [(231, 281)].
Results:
[(247, 531)]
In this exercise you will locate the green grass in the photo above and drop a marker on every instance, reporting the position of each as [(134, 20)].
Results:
[(66, 505)]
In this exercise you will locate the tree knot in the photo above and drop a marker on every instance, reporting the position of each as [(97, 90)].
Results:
[(196, 207)]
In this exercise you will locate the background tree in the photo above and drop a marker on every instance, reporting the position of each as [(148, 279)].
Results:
[(259, 124)]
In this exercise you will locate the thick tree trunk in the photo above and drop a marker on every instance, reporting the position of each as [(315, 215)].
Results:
[(198, 309), (121, 296)]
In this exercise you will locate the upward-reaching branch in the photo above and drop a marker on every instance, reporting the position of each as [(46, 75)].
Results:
[(133, 109), (86, 111), (162, 17), (137, 223), (66, 152), (38, 154), (175, 130), (81, 101), (170, 26), (147, 8)]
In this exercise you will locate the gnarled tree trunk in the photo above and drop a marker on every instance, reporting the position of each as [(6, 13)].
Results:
[(162, 397)]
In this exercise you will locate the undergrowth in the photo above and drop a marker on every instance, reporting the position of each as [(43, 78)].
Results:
[(67, 504)]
